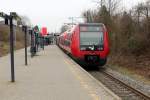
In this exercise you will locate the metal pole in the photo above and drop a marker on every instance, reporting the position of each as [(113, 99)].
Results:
[(12, 48), (110, 7), (30, 32), (14, 35), (25, 30)]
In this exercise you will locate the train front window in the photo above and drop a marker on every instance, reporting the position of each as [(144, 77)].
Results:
[(90, 39)]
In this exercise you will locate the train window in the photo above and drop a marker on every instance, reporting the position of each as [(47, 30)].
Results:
[(91, 39)]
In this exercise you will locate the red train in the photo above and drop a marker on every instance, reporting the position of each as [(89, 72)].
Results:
[(87, 42)]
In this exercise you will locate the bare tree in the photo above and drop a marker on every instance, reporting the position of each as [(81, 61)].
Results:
[(100, 2), (111, 5), (89, 16), (25, 21), (64, 28)]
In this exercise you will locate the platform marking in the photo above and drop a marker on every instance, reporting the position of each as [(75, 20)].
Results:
[(84, 84)]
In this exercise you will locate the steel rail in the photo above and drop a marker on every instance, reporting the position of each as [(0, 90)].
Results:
[(141, 94)]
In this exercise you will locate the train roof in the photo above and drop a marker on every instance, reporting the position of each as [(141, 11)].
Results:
[(90, 24)]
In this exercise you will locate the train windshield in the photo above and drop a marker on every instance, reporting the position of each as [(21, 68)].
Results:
[(91, 38)]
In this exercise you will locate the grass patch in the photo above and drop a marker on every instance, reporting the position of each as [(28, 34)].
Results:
[(4, 40), (4, 48)]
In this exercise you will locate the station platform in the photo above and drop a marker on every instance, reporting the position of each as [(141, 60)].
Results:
[(51, 75)]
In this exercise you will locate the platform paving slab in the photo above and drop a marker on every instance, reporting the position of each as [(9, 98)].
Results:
[(50, 75)]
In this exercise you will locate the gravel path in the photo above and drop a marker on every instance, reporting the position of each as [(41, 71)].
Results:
[(145, 88)]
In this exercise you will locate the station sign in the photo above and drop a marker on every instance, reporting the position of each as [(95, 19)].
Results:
[(91, 28)]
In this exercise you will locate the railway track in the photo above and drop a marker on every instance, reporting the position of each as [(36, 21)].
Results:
[(122, 89)]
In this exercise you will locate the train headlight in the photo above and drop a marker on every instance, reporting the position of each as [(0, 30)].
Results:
[(101, 48), (82, 48)]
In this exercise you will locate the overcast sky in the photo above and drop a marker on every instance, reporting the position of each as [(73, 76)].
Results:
[(52, 13)]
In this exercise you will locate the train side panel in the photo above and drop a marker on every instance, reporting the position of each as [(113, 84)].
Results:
[(75, 42)]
